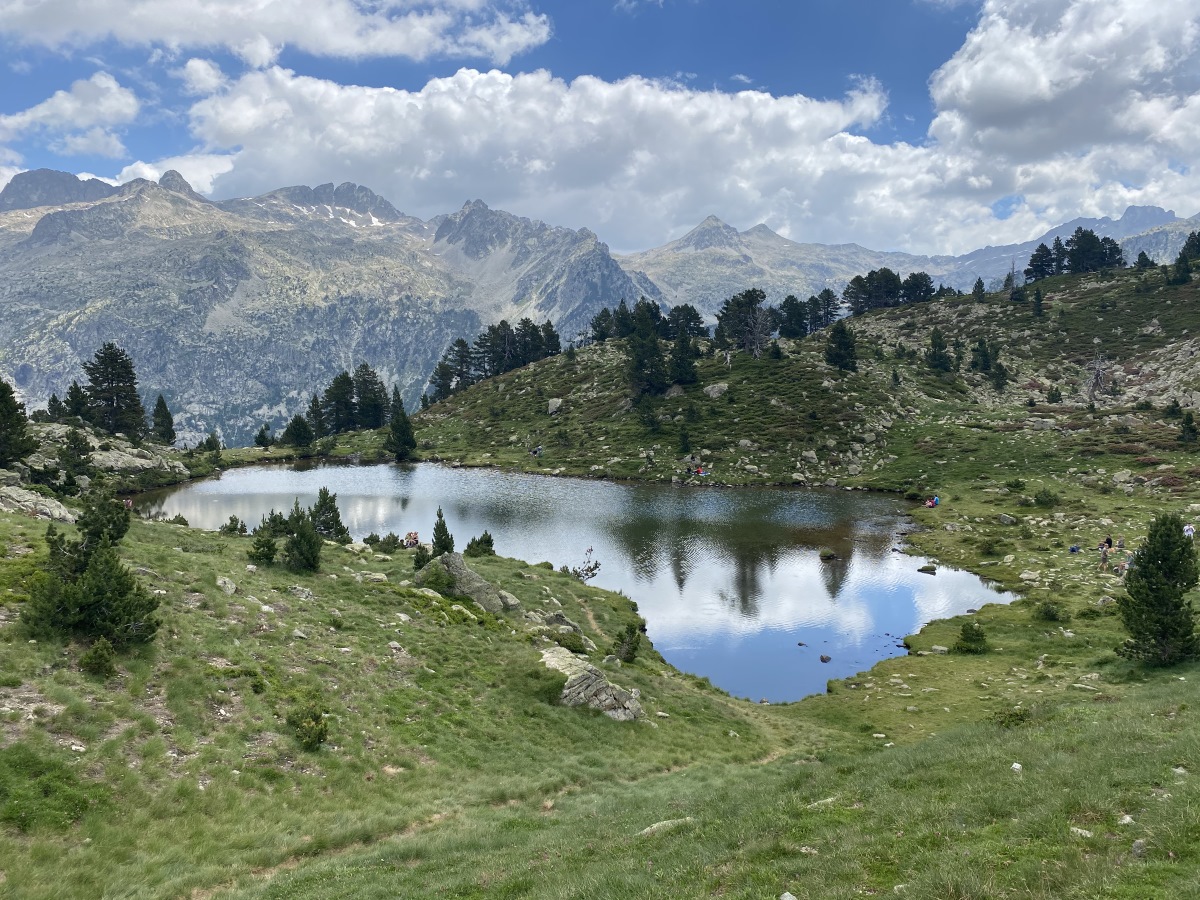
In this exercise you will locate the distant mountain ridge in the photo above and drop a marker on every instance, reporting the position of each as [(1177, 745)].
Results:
[(238, 310)]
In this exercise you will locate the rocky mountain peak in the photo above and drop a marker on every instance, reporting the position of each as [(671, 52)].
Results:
[(710, 233), (49, 187), (177, 184)]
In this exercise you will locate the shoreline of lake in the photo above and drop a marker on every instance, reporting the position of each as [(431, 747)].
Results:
[(741, 563)]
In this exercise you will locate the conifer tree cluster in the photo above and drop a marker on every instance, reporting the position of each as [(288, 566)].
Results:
[(1083, 251), (110, 400), (350, 402), (303, 532), (498, 349)]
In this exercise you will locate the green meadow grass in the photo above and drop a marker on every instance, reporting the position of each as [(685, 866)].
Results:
[(449, 771)]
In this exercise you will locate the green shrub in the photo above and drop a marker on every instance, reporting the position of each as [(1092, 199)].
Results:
[(308, 724), (438, 579), (421, 558), (389, 543), (1015, 484), (1049, 611), (1046, 497), (99, 659), (971, 639), (1011, 718), (263, 551), (571, 640), (625, 648)]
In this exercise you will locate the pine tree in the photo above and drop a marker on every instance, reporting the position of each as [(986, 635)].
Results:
[(315, 417), (443, 540), (937, 356), (370, 398), (113, 401), (338, 404), (326, 518), (263, 438), (302, 550), (263, 551), (1038, 302), (56, 410), (298, 433), (164, 422), (681, 365), (1143, 261), (15, 441), (840, 349), (1156, 615), (1188, 432), (644, 360), (400, 440), (77, 401)]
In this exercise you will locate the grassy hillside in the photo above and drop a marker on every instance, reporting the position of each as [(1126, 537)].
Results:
[(449, 770)]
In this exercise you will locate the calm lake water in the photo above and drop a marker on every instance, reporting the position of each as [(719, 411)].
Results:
[(729, 581)]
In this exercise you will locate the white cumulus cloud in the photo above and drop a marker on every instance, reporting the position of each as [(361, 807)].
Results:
[(200, 77), (97, 102), (495, 30), (637, 156)]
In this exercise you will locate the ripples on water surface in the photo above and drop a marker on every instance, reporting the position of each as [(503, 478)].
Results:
[(728, 581)]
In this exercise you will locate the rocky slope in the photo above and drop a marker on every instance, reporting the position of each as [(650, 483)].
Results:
[(237, 311), (713, 261)]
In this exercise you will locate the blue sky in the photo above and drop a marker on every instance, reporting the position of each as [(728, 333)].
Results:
[(928, 125)]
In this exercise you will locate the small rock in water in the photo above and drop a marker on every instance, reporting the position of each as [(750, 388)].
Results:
[(825, 657)]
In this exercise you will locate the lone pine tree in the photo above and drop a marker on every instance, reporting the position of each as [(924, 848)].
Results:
[(14, 438), (163, 422), (113, 401), (1160, 622)]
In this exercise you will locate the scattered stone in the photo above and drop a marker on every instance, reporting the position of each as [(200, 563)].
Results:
[(299, 635), (554, 405), (226, 585), (302, 593), (508, 601), (1080, 832), (251, 567), (938, 648), (1125, 820), (1029, 576), (375, 577), (358, 547), (1139, 848), (713, 391), (1017, 767), (663, 715), (1006, 519), (928, 569), (664, 826)]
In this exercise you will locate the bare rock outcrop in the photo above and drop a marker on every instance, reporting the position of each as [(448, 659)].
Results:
[(587, 686)]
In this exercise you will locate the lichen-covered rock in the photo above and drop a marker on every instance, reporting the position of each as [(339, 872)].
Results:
[(466, 582), (15, 499), (587, 686)]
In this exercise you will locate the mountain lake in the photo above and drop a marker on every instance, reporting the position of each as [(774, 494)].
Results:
[(729, 581)]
